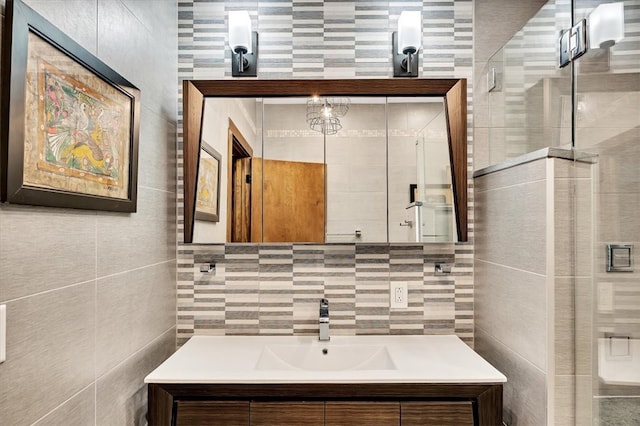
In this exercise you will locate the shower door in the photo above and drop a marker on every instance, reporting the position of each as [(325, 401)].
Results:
[(606, 111)]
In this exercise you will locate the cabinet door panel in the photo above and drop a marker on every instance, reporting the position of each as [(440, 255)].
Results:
[(287, 413), (228, 413), (362, 413), (437, 413)]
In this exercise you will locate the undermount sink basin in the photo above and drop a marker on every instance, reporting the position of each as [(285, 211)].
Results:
[(322, 356)]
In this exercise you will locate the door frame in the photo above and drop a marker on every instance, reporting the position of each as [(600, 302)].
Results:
[(236, 143)]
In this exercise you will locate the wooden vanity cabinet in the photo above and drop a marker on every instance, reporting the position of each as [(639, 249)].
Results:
[(441, 413), (287, 413), (362, 413), (228, 413), (405, 404)]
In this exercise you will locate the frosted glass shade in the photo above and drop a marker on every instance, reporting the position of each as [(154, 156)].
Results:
[(409, 32), (240, 31), (606, 25)]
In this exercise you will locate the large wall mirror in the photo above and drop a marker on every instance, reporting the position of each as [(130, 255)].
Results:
[(321, 161)]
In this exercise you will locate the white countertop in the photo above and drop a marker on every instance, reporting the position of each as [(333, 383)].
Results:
[(234, 359)]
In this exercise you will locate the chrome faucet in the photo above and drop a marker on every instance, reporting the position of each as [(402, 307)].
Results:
[(323, 320)]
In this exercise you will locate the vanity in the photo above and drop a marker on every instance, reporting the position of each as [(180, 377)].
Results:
[(349, 380)]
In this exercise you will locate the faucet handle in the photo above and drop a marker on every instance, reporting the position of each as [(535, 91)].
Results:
[(324, 303)]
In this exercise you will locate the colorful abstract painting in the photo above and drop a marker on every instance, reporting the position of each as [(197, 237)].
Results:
[(208, 190), (70, 122), (82, 139), (82, 130)]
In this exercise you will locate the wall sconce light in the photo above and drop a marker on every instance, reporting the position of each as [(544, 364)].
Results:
[(606, 25), (244, 45), (407, 42)]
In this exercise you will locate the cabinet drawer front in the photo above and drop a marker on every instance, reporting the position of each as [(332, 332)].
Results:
[(287, 413), (437, 413), (228, 413), (362, 414)]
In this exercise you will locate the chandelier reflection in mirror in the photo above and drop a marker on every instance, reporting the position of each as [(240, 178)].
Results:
[(323, 114)]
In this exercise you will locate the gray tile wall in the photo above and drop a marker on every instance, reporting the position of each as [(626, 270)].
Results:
[(275, 289), (91, 295)]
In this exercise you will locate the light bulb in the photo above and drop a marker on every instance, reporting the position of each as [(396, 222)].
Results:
[(606, 25), (409, 32), (240, 31)]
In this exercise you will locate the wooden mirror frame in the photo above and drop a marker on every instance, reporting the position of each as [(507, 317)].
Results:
[(454, 92)]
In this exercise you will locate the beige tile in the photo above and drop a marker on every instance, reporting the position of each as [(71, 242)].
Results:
[(80, 410), (133, 309), (572, 227), (480, 148), (511, 305), (43, 249), (584, 326), (584, 401), (121, 395), (127, 241), (584, 217), (618, 217), (572, 169), (564, 403), (498, 145), (497, 109), (50, 352), (497, 21), (594, 138), (524, 394), (617, 162), (564, 326), (124, 43), (129, 46), (76, 18), (521, 174), (510, 226), (159, 21), (481, 95), (157, 146), (608, 109)]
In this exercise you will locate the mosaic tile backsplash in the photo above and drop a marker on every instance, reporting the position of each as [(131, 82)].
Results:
[(275, 289)]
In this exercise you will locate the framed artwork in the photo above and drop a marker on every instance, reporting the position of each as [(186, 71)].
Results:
[(70, 123), (208, 186)]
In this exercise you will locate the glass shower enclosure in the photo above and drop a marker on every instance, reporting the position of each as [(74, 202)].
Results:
[(589, 109)]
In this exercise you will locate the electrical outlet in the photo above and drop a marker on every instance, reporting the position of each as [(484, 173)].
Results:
[(398, 295)]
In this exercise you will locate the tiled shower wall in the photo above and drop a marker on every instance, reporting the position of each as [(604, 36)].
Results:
[(267, 289)]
